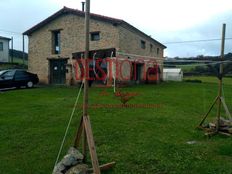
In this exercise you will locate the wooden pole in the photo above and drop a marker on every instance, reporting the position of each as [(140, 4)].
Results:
[(85, 126), (87, 17), (85, 98), (221, 77)]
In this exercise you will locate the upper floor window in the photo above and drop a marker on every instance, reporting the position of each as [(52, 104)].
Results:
[(157, 51), (56, 42), (1, 46), (151, 47), (143, 44), (95, 36)]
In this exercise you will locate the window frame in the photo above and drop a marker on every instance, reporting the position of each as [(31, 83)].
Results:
[(143, 44), (151, 48), (1, 46), (95, 33), (56, 41), (157, 51)]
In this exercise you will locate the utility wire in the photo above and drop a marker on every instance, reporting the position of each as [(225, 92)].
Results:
[(67, 128), (196, 61), (192, 41), (202, 64)]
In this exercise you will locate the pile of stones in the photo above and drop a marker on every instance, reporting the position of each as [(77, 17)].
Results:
[(72, 163), (225, 126)]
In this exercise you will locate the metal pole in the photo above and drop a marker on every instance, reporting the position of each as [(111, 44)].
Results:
[(23, 51), (12, 47), (221, 76)]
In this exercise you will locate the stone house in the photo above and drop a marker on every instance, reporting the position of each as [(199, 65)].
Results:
[(56, 44), (4, 49)]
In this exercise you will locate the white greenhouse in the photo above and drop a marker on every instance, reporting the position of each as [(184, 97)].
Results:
[(172, 74)]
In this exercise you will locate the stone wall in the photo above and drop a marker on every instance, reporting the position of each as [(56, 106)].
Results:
[(72, 40), (130, 42)]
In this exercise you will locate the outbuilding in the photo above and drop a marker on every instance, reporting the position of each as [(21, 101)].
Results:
[(4, 49), (172, 74)]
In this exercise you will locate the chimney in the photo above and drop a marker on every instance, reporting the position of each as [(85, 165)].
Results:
[(83, 6)]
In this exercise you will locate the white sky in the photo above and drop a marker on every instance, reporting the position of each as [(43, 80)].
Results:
[(164, 20)]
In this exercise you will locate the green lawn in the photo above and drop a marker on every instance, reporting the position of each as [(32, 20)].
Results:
[(210, 79), (140, 140), (20, 61)]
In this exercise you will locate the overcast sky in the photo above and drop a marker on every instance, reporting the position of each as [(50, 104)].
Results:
[(165, 20)]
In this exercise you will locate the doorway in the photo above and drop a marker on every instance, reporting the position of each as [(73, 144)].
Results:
[(58, 71)]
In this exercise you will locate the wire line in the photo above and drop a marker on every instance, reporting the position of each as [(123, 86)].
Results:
[(192, 41), (67, 128)]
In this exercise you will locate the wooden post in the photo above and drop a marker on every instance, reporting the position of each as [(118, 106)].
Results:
[(86, 69), (87, 134), (221, 77), (85, 126), (87, 17)]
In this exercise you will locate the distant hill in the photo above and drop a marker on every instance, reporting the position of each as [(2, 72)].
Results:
[(199, 66), (18, 54), (183, 60)]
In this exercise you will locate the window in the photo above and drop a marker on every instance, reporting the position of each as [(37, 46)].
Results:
[(21, 75), (95, 36), (143, 44), (8, 75), (1, 46), (56, 42), (151, 47), (157, 51)]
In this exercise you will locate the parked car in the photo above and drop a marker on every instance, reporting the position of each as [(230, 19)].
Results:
[(17, 78)]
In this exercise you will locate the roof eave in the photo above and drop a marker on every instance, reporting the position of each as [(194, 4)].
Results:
[(144, 34), (93, 16), (71, 11), (5, 38)]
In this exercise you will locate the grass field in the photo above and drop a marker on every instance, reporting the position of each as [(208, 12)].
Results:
[(210, 79), (19, 60), (17, 63), (140, 140)]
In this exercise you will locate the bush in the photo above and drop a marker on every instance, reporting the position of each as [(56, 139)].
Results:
[(193, 81)]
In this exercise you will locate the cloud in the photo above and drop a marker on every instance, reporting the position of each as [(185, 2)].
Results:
[(165, 20), (211, 29)]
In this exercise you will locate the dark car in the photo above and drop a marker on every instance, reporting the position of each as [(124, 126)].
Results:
[(17, 78)]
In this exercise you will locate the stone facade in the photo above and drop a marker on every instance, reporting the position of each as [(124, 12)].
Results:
[(72, 39), (130, 42)]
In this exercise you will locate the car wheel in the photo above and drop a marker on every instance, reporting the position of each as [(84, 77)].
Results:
[(30, 84)]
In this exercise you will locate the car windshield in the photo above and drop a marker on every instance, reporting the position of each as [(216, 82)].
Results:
[(1, 72), (8, 75)]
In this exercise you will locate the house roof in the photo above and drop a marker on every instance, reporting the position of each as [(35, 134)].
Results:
[(5, 38), (114, 21)]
